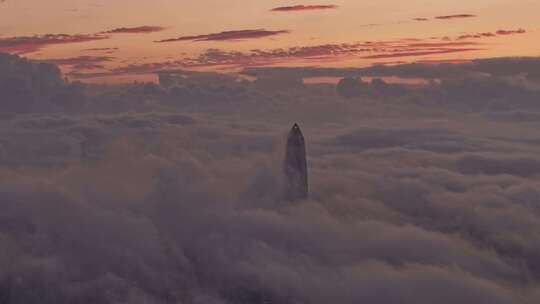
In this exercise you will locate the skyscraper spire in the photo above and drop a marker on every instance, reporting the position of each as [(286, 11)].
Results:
[(296, 174)]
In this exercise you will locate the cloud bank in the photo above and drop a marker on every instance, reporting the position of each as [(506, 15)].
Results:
[(170, 193)]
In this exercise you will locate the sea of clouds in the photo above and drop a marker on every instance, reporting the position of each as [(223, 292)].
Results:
[(147, 194)]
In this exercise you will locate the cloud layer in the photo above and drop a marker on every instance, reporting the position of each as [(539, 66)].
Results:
[(259, 57), (148, 193), (401, 50)]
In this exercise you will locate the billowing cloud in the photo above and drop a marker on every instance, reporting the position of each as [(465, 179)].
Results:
[(136, 30), (29, 44), (301, 8), (457, 16), (229, 36), (150, 196)]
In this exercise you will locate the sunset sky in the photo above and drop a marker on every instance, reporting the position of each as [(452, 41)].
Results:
[(121, 39)]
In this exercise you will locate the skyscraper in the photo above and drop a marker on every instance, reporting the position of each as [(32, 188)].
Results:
[(296, 174)]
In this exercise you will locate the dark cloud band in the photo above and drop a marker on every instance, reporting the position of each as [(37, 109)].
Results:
[(302, 8), (228, 36)]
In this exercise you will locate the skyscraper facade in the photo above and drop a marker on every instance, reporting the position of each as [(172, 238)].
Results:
[(296, 172)]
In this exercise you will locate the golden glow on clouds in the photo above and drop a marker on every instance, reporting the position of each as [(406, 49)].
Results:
[(351, 22)]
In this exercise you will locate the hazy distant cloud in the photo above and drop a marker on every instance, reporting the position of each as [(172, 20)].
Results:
[(422, 19), (102, 49), (258, 57), (300, 8), (492, 34), (511, 32), (105, 50), (229, 35), (77, 60), (422, 53), (425, 69), (82, 62), (22, 45), (446, 17), (441, 61), (29, 44), (218, 58), (477, 36), (438, 44), (136, 30), (379, 49), (458, 16), (77, 74)]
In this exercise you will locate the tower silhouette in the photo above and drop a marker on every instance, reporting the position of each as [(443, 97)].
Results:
[(296, 173)]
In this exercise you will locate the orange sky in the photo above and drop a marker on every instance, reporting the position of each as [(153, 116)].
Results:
[(336, 33)]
